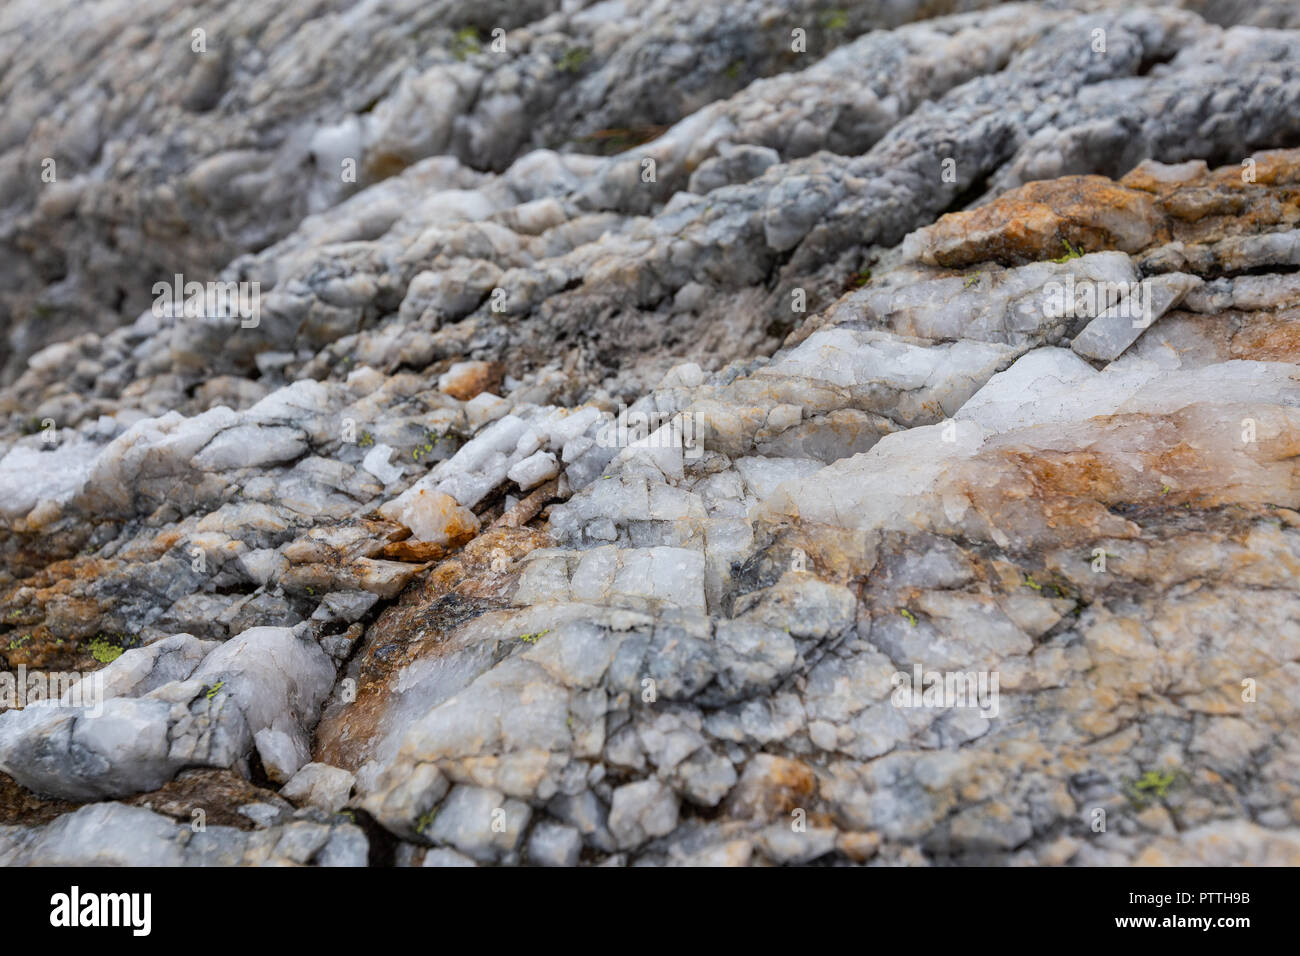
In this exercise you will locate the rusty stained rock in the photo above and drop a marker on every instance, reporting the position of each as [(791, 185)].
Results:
[(1151, 206)]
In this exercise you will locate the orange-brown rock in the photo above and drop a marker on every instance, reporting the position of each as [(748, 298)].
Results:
[(1152, 205), (1036, 221), (772, 786), (464, 380)]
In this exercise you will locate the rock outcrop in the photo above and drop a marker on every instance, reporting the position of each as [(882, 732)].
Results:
[(694, 437)]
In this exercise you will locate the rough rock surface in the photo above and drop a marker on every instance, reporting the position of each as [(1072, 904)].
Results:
[(661, 398)]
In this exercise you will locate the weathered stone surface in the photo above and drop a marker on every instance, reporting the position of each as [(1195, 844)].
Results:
[(1106, 337), (261, 688), (553, 514), (113, 834)]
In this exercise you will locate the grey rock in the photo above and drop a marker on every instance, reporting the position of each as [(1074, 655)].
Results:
[(320, 785), (113, 834), (642, 811), (480, 823), (1110, 333), (552, 844), (441, 856)]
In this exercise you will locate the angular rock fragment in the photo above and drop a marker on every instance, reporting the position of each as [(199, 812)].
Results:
[(1106, 337)]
